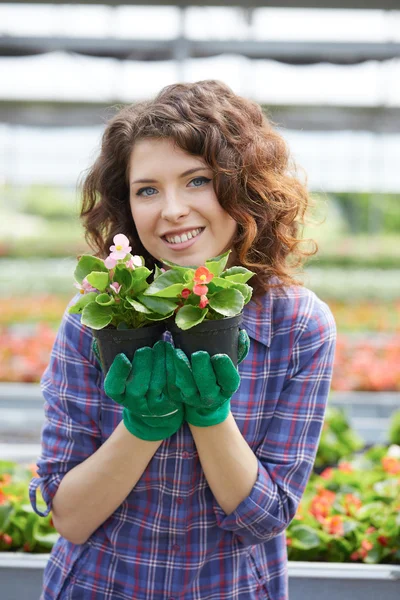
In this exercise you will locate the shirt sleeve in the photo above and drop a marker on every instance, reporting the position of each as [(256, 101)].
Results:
[(71, 387), (287, 453)]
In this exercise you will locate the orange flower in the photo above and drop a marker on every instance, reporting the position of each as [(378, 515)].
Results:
[(321, 504), (334, 525), (367, 545), (289, 541), (351, 504), (346, 467), (391, 465), (3, 498), (203, 275), (5, 479)]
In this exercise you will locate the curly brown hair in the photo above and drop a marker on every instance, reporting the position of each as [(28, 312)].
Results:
[(255, 179)]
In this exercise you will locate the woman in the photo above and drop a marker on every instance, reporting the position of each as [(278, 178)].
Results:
[(196, 507)]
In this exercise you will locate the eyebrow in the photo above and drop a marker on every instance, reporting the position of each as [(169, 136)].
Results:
[(189, 172)]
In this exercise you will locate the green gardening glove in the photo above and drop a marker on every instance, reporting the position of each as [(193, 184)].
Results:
[(146, 389), (207, 383)]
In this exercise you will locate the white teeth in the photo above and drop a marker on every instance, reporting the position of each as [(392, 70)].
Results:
[(184, 237)]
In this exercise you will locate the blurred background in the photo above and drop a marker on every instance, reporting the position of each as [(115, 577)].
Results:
[(328, 77)]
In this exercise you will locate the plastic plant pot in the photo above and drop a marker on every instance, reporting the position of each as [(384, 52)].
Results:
[(214, 336), (113, 341)]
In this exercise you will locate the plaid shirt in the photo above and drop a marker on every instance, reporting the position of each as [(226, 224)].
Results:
[(170, 539)]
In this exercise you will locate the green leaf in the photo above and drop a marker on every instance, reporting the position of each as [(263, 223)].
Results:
[(48, 540), (98, 280), (304, 537), (86, 265), (227, 302), (139, 276), (105, 300), (123, 276), (238, 274), (177, 267), (173, 291), (245, 290), (96, 316), (157, 271), (189, 316), (164, 281), (157, 317), (157, 305), (81, 303), (217, 265), (137, 305), (6, 513)]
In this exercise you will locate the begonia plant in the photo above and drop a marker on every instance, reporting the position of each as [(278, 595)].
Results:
[(112, 290), (203, 292)]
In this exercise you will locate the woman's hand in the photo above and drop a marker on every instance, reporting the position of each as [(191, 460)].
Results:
[(146, 389), (207, 383)]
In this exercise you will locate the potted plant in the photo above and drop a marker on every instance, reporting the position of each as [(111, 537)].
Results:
[(113, 303), (210, 300)]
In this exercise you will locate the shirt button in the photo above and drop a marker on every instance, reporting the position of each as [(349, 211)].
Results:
[(179, 500), (185, 454), (176, 548)]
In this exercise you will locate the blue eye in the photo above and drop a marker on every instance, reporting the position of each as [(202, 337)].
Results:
[(140, 192)]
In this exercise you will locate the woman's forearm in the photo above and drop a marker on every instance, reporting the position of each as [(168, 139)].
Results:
[(229, 464), (90, 492)]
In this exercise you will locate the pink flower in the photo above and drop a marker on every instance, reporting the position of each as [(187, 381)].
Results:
[(121, 246), (185, 293), (110, 262), (85, 287), (116, 287), (133, 262)]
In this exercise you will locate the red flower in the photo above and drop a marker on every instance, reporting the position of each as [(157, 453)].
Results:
[(7, 539), (383, 540), (185, 293), (327, 473), (202, 275), (200, 290), (203, 302)]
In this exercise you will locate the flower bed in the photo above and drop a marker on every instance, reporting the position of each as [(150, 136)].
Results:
[(20, 527), (365, 364), (351, 513)]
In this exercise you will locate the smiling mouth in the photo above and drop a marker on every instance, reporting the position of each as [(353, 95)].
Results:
[(185, 237)]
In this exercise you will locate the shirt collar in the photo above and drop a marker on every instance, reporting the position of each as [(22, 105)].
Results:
[(257, 319)]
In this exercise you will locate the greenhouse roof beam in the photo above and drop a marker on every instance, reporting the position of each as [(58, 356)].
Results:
[(37, 113), (297, 53), (349, 4)]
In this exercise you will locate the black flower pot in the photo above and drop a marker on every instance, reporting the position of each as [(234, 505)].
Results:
[(113, 341), (215, 337)]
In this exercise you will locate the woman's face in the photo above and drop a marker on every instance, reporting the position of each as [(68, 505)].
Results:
[(176, 212)]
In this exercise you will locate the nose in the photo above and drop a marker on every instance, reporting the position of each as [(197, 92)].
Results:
[(173, 208)]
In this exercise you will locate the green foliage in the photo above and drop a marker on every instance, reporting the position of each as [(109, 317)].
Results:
[(394, 428), (337, 440)]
